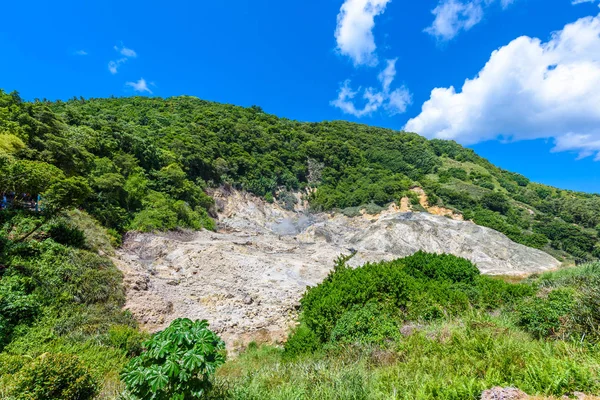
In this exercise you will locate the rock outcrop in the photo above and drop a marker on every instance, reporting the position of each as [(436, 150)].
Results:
[(247, 278)]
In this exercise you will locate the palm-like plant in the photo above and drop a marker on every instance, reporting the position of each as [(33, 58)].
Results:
[(177, 364)]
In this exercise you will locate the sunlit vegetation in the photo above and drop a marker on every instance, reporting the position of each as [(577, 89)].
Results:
[(430, 327), (76, 175)]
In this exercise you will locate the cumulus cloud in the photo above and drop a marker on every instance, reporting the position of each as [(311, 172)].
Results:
[(354, 32), (124, 51), (81, 53), (394, 102), (528, 89), (140, 86), (113, 66), (454, 16)]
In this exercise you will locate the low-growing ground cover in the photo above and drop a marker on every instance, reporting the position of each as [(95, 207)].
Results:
[(369, 333)]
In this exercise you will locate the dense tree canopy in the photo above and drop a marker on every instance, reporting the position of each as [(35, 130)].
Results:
[(148, 162)]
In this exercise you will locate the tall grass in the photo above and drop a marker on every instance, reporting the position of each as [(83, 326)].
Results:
[(448, 360)]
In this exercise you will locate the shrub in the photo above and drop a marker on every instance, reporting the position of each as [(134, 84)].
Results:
[(17, 306), (486, 185), (287, 200), (368, 324), (414, 198), (373, 209), (458, 173), (302, 340), (535, 240), (65, 234), (496, 202), (11, 364), (346, 287), (546, 317), (492, 292), (269, 197), (177, 364), (461, 200), (444, 266), (55, 376), (420, 287), (126, 338)]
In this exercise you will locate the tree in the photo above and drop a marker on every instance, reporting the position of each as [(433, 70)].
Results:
[(496, 202), (69, 192), (66, 193), (177, 364), (23, 176)]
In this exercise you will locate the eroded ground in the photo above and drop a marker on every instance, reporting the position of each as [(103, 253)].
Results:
[(247, 278)]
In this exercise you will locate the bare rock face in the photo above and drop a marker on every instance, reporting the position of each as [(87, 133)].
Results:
[(510, 393), (247, 278), (499, 393)]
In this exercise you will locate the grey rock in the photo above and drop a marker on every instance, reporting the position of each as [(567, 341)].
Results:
[(194, 274)]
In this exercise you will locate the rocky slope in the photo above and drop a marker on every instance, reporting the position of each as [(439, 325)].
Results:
[(246, 279)]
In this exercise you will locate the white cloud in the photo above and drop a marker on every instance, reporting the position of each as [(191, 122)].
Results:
[(574, 2), (398, 101), (354, 32), (113, 66), (386, 77), (140, 86), (346, 96), (81, 53), (394, 102), (125, 51), (454, 16), (527, 90)]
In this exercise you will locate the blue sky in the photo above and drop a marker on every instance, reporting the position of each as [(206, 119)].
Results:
[(532, 107)]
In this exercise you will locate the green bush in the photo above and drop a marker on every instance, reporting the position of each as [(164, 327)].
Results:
[(414, 198), (547, 317), (55, 376), (421, 287), (302, 340), (495, 201), (346, 287), (368, 324), (65, 234), (17, 306), (535, 240), (177, 364), (445, 267), (492, 293), (127, 338), (11, 364), (269, 197), (581, 322)]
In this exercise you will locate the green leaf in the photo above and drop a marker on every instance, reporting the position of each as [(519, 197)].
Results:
[(157, 379)]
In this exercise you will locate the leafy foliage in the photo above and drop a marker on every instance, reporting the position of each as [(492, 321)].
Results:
[(544, 317), (55, 376), (420, 287), (148, 162), (177, 364)]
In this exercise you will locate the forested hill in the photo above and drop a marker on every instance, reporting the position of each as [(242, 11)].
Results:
[(147, 162)]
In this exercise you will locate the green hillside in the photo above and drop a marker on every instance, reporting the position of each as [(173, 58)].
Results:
[(102, 167), (148, 160)]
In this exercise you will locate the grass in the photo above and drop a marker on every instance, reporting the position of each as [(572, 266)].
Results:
[(449, 360), (477, 340)]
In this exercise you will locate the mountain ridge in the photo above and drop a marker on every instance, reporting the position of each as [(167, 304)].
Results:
[(150, 160)]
